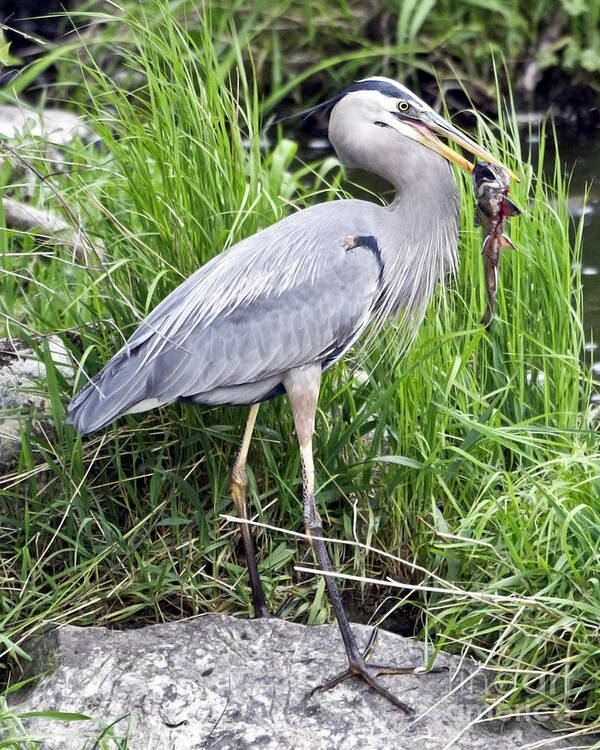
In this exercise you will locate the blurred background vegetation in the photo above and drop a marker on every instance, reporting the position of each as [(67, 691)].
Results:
[(300, 49)]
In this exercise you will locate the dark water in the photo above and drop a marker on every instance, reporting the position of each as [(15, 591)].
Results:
[(581, 157)]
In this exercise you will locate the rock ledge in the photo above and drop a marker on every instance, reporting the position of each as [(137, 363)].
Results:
[(227, 683)]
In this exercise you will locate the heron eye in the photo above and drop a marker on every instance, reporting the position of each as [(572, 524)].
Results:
[(403, 106)]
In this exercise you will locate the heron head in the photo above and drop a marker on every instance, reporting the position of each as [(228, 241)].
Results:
[(381, 103)]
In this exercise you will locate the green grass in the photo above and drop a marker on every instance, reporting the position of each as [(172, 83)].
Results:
[(17, 736), (473, 457)]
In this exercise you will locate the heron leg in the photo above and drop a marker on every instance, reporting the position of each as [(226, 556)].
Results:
[(239, 495), (302, 386)]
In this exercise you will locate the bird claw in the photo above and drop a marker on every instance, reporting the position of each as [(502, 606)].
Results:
[(370, 672), (370, 677)]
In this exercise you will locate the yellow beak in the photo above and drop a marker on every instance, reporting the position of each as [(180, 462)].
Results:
[(425, 133)]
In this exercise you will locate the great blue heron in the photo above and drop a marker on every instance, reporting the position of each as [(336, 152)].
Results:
[(274, 311)]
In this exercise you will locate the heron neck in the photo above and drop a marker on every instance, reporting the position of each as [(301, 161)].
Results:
[(427, 201), (419, 233)]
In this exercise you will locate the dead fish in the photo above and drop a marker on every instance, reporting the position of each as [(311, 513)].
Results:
[(493, 208)]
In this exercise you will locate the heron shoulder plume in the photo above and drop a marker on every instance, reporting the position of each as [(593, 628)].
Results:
[(417, 234)]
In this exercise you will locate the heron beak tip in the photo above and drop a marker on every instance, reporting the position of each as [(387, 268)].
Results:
[(441, 127)]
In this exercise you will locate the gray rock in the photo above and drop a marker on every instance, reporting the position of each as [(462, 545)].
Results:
[(48, 226), (56, 126), (22, 396), (233, 684), (34, 133)]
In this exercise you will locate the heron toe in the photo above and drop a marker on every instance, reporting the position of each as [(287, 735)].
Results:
[(359, 667)]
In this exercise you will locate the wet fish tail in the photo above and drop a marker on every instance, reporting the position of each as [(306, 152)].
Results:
[(491, 287)]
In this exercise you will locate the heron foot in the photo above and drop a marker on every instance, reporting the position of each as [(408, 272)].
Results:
[(370, 672)]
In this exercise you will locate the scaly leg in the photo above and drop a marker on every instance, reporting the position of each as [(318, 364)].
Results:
[(302, 386), (239, 494)]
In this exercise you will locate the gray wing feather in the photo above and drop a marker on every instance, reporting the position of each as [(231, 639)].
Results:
[(290, 295)]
